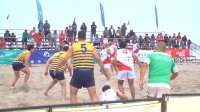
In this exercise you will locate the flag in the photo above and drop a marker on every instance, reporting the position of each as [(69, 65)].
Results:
[(74, 18), (8, 17), (156, 15), (102, 15), (39, 11), (128, 22)]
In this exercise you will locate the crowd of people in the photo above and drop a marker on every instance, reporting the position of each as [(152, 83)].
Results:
[(160, 67), (47, 38)]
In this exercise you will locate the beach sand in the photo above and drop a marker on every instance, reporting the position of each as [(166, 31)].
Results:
[(188, 81)]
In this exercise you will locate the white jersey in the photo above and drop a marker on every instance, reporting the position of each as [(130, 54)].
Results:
[(108, 95), (105, 57), (111, 48), (125, 59)]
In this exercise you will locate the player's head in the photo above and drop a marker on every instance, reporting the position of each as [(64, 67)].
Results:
[(30, 48), (103, 46), (65, 47), (110, 41), (105, 87), (161, 47), (122, 44), (81, 35)]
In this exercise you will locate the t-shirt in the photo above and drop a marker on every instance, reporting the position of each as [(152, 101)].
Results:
[(160, 67), (108, 95), (21, 57)]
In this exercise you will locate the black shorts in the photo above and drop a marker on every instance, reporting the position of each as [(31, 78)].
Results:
[(59, 75), (17, 66), (82, 78)]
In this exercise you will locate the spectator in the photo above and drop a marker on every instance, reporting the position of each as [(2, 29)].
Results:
[(112, 32), (146, 41), (40, 27), (152, 41), (61, 37), (97, 41), (46, 29), (160, 37), (7, 36), (84, 27), (188, 43), (170, 42), (166, 39), (184, 40), (74, 28), (123, 29), (178, 40), (66, 29), (32, 36), (13, 38), (70, 35), (2, 43), (49, 38), (109, 94), (93, 30), (54, 37), (132, 36), (140, 41), (174, 41), (38, 38), (106, 33), (25, 37)]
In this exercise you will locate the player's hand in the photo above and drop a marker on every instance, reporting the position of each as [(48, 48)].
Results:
[(141, 84), (45, 73)]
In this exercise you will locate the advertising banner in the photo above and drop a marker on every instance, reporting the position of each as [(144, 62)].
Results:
[(176, 53), (142, 54), (7, 56)]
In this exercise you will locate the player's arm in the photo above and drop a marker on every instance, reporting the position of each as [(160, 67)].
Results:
[(136, 59), (69, 66), (115, 60), (27, 56), (64, 60), (115, 48), (47, 65), (174, 72), (121, 95)]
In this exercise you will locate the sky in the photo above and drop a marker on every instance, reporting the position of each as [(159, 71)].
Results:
[(173, 15)]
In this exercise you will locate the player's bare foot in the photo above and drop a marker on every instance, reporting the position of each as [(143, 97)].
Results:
[(45, 93)]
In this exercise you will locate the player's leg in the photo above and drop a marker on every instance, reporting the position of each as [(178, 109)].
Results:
[(50, 86), (63, 90), (92, 93), (15, 78), (16, 68), (73, 94), (27, 73), (122, 75), (131, 76)]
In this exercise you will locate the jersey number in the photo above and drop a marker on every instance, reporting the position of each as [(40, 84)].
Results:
[(84, 48)]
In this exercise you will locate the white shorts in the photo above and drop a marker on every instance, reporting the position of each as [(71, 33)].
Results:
[(126, 74), (107, 65), (157, 92)]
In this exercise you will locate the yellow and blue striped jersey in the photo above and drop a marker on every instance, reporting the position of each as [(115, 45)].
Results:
[(21, 57)]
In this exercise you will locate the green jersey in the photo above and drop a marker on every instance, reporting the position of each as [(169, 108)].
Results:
[(160, 67)]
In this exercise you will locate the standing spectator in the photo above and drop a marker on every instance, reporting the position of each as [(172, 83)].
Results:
[(7, 36), (140, 40), (84, 27), (184, 40), (112, 32), (70, 35), (146, 41), (188, 43), (13, 38), (166, 39), (61, 37), (2, 43), (93, 30), (170, 42), (160, 65), (25, 37), (46, 29), (66, 29), (178, 39), (74, 28), (32, 36), (123, 29), (160, 37), (152, 41), (38, 39), (40, 27), (174, 41), (106, 33), (54, 37)]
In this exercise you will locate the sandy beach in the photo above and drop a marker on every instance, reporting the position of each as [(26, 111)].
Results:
[(188, 81)]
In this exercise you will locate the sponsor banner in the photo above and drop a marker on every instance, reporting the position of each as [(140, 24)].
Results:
[(142, 54), (41, 56), (176, 53), (7, 56)]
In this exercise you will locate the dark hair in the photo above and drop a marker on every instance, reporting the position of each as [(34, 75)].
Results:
[(65, 48), (65, 41), (81, 35), (30, 47), (105, 87), (110, 40), (122, 44)]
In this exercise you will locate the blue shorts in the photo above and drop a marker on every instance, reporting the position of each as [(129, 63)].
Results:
[(82, 78), (17, 66), (58, 75)]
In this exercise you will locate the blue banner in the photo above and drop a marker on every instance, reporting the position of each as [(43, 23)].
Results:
[(156, 15), (39, 11), (102, 15)]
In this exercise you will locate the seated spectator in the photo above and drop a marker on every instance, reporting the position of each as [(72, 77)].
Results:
[(109, 94), (170, 42), (25, 37), (2, 43), (70, 35), (184, 41), (54, 37), (13, 38), (61, 37), (96, 41), (32, 36), (140, 41), (132, 36), (38, 38), (188, 43), (174, 41), (152, 41)]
